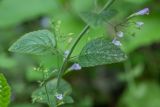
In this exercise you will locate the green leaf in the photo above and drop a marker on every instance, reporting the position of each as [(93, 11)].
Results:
[(5, 92), (64, 88), (95, 19), (68, 99), (37, 42), (100, 51)]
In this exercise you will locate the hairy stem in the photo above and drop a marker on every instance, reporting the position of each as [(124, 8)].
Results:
[(85, 29)]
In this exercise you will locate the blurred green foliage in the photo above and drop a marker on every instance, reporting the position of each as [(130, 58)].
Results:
[(104, 86)]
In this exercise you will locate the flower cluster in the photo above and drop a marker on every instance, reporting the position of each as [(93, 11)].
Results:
[(138, 24)]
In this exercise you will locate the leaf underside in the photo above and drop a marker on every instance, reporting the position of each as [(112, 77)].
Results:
[(38, 43), (99, 52)]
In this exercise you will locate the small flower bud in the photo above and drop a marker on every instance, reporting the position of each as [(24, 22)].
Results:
[(116, 42), (70, 34), (144, 11), (120, 34), (35, 69)]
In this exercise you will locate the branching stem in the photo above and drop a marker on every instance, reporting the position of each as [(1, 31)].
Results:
[(85, 29)]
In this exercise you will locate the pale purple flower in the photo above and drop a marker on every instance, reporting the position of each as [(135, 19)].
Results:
[(144, 11), (75, 66), (120, 34), (59, 96), (139, 24), (116, 42)]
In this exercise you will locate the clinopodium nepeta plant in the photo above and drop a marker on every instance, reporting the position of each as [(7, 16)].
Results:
[(54, 90)]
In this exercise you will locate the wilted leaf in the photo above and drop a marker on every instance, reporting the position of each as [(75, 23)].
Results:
[(37, 42), (100, 51), (5, 92)]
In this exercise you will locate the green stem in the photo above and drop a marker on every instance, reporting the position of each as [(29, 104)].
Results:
[(62, 69), (85, 29), (45, 85)]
